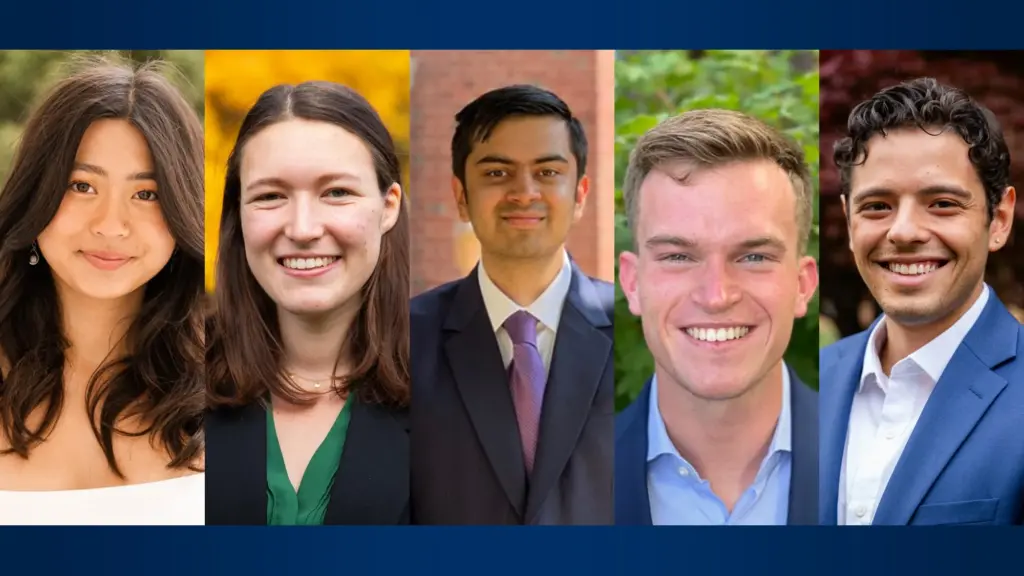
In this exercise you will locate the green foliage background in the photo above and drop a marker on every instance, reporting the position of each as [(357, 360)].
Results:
[(779, 87), (26, 75)]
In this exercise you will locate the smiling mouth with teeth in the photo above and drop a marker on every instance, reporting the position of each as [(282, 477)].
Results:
[(307, 263), (915, 269), (718, 334)]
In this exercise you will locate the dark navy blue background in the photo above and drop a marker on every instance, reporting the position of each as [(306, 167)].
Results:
[(402, 24), (560, 24)]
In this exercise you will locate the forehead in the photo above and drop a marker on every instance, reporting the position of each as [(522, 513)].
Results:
[(907, 160), (524, 138), (720, 205), (301, 149), (114, 139)]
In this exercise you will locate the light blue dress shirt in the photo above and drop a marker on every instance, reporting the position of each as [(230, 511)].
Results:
[(678, 495)]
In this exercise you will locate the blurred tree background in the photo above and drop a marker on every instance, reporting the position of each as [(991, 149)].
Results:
[(235, 79), (780, 88), (848, 77), (26, 76)]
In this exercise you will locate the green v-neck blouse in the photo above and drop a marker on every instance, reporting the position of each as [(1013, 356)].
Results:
[(285, 506)]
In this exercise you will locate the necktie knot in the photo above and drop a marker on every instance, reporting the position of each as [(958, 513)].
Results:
[(522, 328)]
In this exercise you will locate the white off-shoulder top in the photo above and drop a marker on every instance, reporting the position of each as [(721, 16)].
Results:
[(179, 501)]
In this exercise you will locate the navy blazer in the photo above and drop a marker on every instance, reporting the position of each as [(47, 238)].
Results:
[(467, 457), (632, 502), (964, 461)]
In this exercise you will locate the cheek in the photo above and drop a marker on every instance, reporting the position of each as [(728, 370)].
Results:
[(259, 230), (156, 235), (660, 292)]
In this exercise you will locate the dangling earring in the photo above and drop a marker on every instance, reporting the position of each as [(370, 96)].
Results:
[(33, 256)]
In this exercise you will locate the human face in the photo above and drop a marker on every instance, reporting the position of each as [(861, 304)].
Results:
[(522, 193), (109, 236), (717, 279), (919, 227), (313, 215)]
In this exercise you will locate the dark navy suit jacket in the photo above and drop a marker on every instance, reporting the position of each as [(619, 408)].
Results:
[(632, 502), (964, 461), (467, 457)]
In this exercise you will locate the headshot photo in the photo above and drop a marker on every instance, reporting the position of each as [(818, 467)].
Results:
[(716, 309), (511, 319), (307, 357), (922, 394), (101, 295)]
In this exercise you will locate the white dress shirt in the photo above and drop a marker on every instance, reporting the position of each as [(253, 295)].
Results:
[(885, 411), (547, 309)]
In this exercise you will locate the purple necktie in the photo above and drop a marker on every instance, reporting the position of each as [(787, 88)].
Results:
[(526, 376)]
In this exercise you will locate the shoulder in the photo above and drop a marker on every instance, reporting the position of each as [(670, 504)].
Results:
[(851, 344), (435, 301)]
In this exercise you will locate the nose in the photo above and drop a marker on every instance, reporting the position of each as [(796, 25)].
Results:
[(304, 225), (906, 226), (110, 218), (717, 289), (524, 189)]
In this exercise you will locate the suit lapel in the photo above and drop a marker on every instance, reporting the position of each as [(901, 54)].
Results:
[(372, 482), (803, 487), (236, 466), (960, 399), (577, 366), (632, 501), (473, 355), (838, 385)]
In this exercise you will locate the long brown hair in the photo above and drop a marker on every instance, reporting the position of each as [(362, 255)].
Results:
[(160, 378), (244, 354)]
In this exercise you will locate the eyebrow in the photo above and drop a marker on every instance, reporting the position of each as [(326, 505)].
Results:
[(936, 190), (749, 244), (97, 170), (498, 159), (763, 242), (274, 182), (665, 240)]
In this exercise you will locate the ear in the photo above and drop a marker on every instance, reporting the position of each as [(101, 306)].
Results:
[(807, 283), (461, 200), (1002, 220), (582, 191), (846, 216), (392, 207), (628, 272)]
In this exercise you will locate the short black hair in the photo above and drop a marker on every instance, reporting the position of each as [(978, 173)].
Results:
[(477, 121), (925, 103)]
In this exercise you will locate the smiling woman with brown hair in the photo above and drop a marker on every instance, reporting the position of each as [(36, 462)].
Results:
[(101, 248), (308, 358)]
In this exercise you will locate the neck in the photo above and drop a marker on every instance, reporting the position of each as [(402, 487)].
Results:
[(312, 344), (94, 328), (523, 280), (902, 340), (724, 440)]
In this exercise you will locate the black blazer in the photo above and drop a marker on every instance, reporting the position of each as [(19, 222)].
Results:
[(370, 487), (632, 502), (467, 463)]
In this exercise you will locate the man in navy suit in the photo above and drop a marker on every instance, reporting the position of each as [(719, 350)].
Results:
[(512, 411), (922, 414), (724, 433)]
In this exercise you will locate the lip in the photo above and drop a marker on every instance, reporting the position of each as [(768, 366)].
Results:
[(908, 281), (312, 272), (106, 260), (523, 220), (717, 346)]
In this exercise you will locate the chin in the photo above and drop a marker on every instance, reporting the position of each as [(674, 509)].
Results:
[(721, 385)]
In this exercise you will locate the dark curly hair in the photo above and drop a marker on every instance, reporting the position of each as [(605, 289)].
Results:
[(928, 105), (160, 380)]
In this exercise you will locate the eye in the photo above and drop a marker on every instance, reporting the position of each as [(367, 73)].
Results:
[(946, 204), (498, 173), (548, 172), (338, 193), (267, 197), (674, 258), (755, 258), (147, 195), (81, 187), (874, 207)]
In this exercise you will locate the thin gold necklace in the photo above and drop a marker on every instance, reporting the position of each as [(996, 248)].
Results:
[(316, 383)]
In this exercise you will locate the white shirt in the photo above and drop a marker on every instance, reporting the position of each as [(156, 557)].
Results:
[(179, 501), (885, 411), (547, 309)]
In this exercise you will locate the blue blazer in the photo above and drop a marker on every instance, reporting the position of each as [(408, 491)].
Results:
[(964, 461), (466, 454), (632, 502)]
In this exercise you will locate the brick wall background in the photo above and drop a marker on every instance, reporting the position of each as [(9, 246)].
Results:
[(442, 82)]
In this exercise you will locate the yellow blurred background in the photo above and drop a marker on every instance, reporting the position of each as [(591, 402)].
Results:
[(235, 79)]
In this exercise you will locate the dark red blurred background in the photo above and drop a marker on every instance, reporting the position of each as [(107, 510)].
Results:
[(996, 79)]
